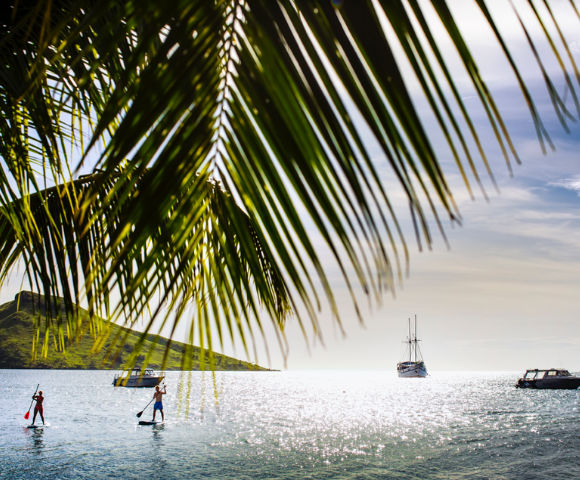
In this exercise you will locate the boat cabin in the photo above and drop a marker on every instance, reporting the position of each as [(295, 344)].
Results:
[(139, 378), (136, 372), (537, 374)]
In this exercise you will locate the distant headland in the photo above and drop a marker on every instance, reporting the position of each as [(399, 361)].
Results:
[(16, 335)]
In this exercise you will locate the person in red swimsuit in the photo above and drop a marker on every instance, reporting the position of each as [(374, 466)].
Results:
[(38, 407)]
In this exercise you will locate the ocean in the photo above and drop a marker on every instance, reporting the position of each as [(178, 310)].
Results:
[(295, 425)]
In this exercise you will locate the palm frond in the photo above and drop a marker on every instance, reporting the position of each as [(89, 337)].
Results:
[(253, 95), (214, 258)]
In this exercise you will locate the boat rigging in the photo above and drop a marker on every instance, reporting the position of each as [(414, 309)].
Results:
[(414, 366)]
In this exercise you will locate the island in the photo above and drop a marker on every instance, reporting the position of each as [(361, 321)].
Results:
[(16, 336)]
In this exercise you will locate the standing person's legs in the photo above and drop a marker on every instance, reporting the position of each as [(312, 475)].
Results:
[(162, 416), (41, 411), (34, 417), (154, 412)]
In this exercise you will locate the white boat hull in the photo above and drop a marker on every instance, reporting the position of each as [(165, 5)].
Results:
[(412, 369)]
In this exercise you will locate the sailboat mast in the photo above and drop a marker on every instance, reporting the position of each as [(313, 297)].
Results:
[(410, 345), (415, 338)]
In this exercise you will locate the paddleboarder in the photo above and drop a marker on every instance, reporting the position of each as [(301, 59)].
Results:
[(38, 407), (158, 405)]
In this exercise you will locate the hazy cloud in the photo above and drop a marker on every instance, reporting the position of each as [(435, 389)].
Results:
[(568, 183)]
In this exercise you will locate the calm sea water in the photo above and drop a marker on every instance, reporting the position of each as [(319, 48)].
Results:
[(291, 425)]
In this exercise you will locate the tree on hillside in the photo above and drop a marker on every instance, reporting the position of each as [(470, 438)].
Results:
[(218, 132)]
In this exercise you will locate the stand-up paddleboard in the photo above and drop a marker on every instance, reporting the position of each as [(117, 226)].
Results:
[(35, 426), (142, 422)]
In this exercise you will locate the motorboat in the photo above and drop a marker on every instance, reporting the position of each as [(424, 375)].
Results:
[(553, 378), (414, 366), (138, 378)]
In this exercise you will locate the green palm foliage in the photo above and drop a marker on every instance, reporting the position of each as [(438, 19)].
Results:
[(223, 129), (211, 258)]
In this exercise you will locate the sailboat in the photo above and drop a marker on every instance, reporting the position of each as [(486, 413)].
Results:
[(415, 366)]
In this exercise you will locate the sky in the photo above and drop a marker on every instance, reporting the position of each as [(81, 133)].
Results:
[(504, 295)]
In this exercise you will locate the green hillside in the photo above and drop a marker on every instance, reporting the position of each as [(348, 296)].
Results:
[(16, 334)]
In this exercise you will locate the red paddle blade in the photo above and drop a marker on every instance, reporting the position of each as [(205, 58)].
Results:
[(27, 415)]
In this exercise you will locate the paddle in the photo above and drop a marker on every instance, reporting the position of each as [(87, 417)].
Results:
[(141, 412), (27, 414)]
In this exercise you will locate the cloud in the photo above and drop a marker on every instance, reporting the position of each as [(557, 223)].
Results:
[(503, 342), (574, 46), (549, 215), (568, 183)]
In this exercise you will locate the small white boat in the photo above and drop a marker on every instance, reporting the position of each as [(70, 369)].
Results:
[(138, 378), (414, 366)]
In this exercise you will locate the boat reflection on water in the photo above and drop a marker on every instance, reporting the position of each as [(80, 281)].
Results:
[(555, 379), (137, 378)]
